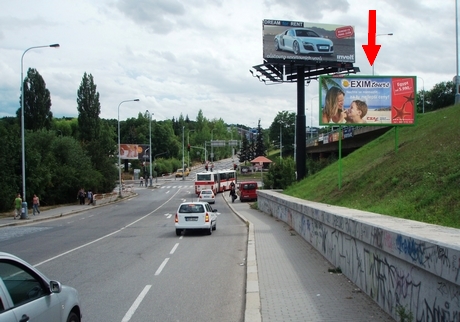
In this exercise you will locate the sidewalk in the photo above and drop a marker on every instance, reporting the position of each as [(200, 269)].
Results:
[(287, 279)]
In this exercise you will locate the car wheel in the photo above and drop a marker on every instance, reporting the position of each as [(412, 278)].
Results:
[(73, 317), (178, 232), (296, 48), (277, 45), (209, 231), (215, 226)]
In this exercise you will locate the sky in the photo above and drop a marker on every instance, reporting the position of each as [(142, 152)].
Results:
[(182, 56)]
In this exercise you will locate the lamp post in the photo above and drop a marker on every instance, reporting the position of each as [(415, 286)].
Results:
[(311, 115), (188, 144), (23, 150), (281, 140), (457, 81), (119, 154), (390, 34), (423, 96), (212, 147), (150, 144), (183, 153)]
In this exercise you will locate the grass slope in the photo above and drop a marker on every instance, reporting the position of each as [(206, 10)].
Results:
[(420, 180)]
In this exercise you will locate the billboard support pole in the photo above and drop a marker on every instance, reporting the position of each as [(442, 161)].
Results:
[(340, 157), (300, 128)]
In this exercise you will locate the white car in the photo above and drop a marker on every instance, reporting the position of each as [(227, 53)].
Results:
[(195, 215), (207, 195), (28, 295), (303, 41)]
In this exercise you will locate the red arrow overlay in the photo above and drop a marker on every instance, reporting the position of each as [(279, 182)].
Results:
[(371, 49)]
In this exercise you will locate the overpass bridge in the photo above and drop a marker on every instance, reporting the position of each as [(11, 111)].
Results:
[(352, 138)]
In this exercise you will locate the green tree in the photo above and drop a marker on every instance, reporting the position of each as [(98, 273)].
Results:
[(442, 95), (281, 174), (89, 108), (260, 146), (10, 162), (284, 125), (97, 139), (37, 102)]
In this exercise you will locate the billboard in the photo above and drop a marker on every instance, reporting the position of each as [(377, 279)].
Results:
[(367, 100), (309, 42), (129, 151)]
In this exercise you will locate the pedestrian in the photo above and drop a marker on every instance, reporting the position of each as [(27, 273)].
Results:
[(17, 206), (232, 191), (81, 196), (35, 205), (90, 197), (141, 182)]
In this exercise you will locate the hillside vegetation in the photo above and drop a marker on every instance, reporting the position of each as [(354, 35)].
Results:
[(418, 180)]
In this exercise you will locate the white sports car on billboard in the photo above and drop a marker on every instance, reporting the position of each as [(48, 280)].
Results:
[(303, 41)]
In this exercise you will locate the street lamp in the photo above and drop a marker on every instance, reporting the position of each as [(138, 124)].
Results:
[(423, 95), (150, 144), (212, 147), (311, 115), (183, 153), (188, 145), (23, 149), (119, 154), (281, 140), (390, 34)]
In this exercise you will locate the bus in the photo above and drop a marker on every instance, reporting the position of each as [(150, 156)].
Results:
[(218, 181)]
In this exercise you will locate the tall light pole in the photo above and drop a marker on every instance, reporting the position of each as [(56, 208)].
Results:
[(423, 96), (281, 140), (188, 145), (311, 115), (119, 154), (150, 144), (23, 149), (212, 147), (457, 81), (390, 34), (183, 153)]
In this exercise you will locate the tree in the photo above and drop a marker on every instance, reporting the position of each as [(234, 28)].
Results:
[(89, 108), (37, 102), (243, 155), (281, 174), (284, 125), (260, 146)]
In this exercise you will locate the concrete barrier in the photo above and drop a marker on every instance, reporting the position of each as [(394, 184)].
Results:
[(400, 264)]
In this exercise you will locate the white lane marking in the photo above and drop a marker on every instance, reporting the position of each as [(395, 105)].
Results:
[(106, 236), (168, 216), (167, 191), (161, 267), (174, 248), (136, 304)]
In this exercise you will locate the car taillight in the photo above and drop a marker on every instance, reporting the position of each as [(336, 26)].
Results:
[(206, 218), (212, 196), (176, 219)]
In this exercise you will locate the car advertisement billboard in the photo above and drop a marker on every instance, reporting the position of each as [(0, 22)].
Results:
[(367, 100), (307, 41)]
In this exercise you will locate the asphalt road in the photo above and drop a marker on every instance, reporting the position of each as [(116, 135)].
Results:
[(128, 264)]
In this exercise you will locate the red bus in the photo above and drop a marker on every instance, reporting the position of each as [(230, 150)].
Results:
[(218, 181)]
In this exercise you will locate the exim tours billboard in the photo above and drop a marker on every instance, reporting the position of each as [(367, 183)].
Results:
[(308, 42), (367, 100)]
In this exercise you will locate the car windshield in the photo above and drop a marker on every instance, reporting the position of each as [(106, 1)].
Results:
[(305, 33), (191, 208)]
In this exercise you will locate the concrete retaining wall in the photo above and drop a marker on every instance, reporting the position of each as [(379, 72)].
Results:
[(397, 262)]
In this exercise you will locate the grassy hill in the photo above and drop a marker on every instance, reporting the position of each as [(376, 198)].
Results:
[(420, 180)]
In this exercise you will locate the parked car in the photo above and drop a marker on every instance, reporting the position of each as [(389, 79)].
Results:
[(303, 41), (195, 215), (248, 190), (207, 195), (28, 295)]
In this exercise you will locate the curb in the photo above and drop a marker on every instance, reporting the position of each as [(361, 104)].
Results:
[(252, 310)]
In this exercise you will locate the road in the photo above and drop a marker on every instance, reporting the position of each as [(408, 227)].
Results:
[(128, 264)]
